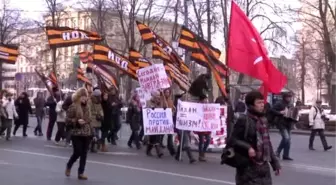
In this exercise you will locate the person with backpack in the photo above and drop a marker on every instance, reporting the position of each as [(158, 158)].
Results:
[(317, 119), (249, 148)]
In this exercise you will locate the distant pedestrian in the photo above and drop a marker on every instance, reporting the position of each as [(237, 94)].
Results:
[(317, 119), (51, 103), (8, 115), (23, 109), (39, 103), (61, 115)]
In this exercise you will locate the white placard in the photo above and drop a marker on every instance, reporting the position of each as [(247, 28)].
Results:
[(198, 117), (143, 96), (153, 78), (158, 121)]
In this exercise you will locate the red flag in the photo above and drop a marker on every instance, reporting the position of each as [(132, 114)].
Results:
[(247, 53)]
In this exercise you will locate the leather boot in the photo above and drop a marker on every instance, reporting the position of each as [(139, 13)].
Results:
[(149, 150), (177, 154), (104, 148), (201, 157), (82, 177), (158, 150), (191, 158)]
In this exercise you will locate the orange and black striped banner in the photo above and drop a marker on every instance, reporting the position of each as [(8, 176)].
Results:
[(106, 56), (179, 78), (137, 58), (166, 52), (191, 42), (65, 36), (159, 52), (53, 79), (106, 76), (85, 57), (9, 53)]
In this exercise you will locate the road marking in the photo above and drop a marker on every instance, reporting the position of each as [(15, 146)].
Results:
[(301, 166), (125, 167), (105, 153), (4, 163)]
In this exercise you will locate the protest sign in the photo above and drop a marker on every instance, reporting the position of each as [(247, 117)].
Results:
[(143, 96), (197, 116), (218, 137), (153, 78), (158, 121)]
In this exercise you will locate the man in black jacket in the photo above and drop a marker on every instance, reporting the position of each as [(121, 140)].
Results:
[(284, 124), (250, 139)]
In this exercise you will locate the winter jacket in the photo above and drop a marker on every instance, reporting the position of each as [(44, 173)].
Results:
[(23, 108), (97, 113), (107, 112), (51, 103), (10, 109), (39, 106), (315, 118), (242, 144), (61, 114), (135, 116)]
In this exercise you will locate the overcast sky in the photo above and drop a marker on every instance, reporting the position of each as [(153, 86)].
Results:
[(34, 8)]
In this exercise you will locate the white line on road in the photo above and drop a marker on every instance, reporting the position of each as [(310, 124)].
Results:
[(125, 167), (301, 166)]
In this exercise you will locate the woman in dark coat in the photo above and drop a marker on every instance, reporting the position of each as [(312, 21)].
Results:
[(107, 122), (23, 108), (250, 138), (134, 117)]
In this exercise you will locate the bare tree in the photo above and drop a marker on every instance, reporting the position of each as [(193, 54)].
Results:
[(320, 16), (128, 11), (12, 26)]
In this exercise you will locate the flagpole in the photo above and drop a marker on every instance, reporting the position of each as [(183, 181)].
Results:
[(227, 78)]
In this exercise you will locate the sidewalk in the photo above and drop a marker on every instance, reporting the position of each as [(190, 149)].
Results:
[(307, 132)]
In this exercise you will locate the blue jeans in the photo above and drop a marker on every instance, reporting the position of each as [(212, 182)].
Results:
[(203, 145), (96, 133), (285, 142), (38, 127)]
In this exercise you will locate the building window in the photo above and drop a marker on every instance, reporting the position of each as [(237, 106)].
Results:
[(81, 23), (69, 23), (88, 23)]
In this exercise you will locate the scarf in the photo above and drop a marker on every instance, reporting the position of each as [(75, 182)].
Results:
[(263, 141), (264, 145)]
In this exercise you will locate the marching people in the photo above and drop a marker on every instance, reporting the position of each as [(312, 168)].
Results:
[(250, 138), (115, 112), (79, 117), (60, 120), (198, 93), (134, 118), (39, 103), (8, 114), (97, 116), (285, 125), (317, 119), (23, 109), (169, 103), (107, 121), (51, 103), (154, 140)]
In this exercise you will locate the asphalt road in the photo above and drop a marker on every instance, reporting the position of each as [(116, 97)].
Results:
[(33, 160)]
